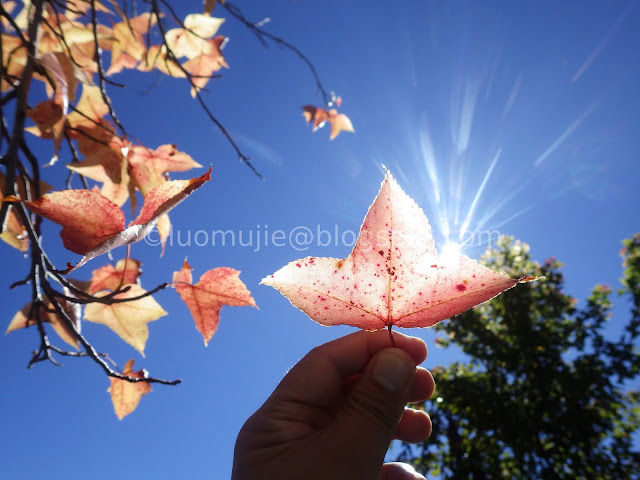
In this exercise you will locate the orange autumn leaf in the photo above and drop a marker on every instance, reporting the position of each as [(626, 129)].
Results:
[(125, 395), (156, 57), (127, 319), (88, 218), (14, 59), (106, 164), (315, 115), (217, 287), (89, 110), (46, 115), (319, 117), (192, 40), (9, 6), (128, 46), (86, 117), (148, 167), (77, 8), (339, 123), (206, 64), (49, 119), (109, 277), (27, 316), (167, 195), (14, 232), (93, 225)]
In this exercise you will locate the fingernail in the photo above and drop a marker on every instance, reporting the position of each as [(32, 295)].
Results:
[(408, 469), (391, 371)]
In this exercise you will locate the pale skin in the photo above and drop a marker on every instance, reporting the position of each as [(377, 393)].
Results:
[(334, 414)]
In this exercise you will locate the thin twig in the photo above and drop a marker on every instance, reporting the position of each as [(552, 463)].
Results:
[(74, 159), (256, 28), (20, 113), (247, 160), (101, 77)]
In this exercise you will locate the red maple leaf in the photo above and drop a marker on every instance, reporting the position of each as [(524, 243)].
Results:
[(393, 276), (93, 225), (217, 287)]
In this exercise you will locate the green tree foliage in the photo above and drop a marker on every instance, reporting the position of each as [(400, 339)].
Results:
[(545, 393)]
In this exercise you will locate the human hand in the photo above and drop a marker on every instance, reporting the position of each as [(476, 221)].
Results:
[(334, 414)]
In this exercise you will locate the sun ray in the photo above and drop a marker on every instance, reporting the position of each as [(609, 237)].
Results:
[(478, 194), (570, 129)]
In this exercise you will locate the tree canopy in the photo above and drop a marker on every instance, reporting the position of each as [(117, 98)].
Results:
[(545, 394)]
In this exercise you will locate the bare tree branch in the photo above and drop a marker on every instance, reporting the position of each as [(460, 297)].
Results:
[(256, 29)]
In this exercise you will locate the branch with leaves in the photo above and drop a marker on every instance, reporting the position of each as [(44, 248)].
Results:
[(66, 47)]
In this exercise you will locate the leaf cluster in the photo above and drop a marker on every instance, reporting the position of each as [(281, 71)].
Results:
[(59, 60)]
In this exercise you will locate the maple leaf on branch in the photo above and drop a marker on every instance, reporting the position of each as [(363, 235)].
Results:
[(93, 225), (319, 116), (393, 276), (148, 168), (31, 314), (127, 319), (192, 40), (217, 287), (63, 45), (128, 47), (125, 395), (84, 123), (14, 232), (108, 277)]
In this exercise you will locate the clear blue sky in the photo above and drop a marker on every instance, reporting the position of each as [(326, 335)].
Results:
[(436, 90)]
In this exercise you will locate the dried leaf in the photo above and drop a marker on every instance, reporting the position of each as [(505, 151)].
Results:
[(319, 116), (166, 196), (217, 287), (109, 277), (93, 225), (126, 395), (156, 57), (15, 233), (88, 218), (203, 66), (148, 167), (193, 40), (127, 319), (27, 317), (128, 47), (89, 110), (106, 164)]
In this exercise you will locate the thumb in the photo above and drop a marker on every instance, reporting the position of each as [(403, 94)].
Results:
[(374, 406)]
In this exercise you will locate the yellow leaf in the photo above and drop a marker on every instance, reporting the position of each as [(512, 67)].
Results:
[(22, 320), (127, 319)]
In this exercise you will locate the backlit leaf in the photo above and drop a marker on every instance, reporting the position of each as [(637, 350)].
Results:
[(217, 287), (393, 276), (109, 277), (127, 319), (27, 316), (126, 395)]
